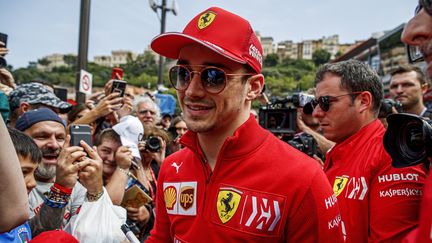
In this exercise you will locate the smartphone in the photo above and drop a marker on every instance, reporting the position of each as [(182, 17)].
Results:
[(80, 132), (119, 86), (117, 73), (3, 38), (61, 93)]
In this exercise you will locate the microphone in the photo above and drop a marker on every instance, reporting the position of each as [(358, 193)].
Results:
[(129, 235)]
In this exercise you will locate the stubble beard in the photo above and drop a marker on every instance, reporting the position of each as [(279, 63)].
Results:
[(45, 171), (426, 50)]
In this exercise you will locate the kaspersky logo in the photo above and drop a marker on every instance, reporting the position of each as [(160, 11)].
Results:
[(206, 19)]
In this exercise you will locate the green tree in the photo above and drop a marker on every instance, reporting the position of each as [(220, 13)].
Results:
[(320, 57), (43, 62), (271, 60), (70, 60)]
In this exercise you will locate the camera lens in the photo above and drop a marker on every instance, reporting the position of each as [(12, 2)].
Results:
[(412, 141), (408, 139), (153, 144)]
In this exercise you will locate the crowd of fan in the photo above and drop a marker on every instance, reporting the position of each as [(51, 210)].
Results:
[(60, 177)]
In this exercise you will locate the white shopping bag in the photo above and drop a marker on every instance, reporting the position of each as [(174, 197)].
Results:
[(98, 222)]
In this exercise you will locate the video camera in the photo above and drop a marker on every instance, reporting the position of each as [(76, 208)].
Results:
[(280, 118), (408, 139), (304, 142), (386, 107), (280, 115)]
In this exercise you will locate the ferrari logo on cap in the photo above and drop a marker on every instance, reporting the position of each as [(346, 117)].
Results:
[(227, 203), (339, 184), (206, 19)]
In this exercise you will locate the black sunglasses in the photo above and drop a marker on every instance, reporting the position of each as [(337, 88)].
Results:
[(213, 79), (325, 101), (414, 53)]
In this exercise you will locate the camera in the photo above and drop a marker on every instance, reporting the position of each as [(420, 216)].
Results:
[(408, 139), (386, 107), (280, 118), (152, 144), (280, 115), (304, 142)]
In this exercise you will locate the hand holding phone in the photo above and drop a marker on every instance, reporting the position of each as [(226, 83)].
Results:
[(80, 132), (118, 86)]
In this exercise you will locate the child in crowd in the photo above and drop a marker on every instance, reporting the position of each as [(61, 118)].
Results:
[(29, 156)]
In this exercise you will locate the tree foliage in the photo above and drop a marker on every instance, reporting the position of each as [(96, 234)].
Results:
[(321, 57), (282, 77)]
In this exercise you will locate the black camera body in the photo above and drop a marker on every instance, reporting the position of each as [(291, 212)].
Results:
[(280, 118), (280, 115), (386, 107), (152, 144), (408, 139), (304, 142)]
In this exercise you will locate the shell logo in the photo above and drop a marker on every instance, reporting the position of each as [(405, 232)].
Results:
[(170, 196)]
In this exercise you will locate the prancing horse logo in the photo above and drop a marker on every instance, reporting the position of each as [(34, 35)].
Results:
[(206, 19), (228, 201)]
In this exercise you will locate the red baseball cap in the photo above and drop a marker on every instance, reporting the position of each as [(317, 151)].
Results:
[(54, 236), (223, 32)]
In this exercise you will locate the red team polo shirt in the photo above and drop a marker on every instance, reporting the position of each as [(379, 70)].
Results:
[(261, 190), (378, 203)]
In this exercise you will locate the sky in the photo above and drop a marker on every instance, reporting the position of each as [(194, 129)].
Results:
[(37, 28)]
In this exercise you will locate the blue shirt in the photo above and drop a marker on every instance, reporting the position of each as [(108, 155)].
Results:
[(20, 234)]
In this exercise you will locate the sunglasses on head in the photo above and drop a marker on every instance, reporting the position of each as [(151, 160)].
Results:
[(213, 79), (325, 101)]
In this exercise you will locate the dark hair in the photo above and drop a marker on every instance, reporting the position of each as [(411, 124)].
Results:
[(355, 76), (176, 120), (25, 146), (73, 113), (107, 134), (421, 77), (154, 131)]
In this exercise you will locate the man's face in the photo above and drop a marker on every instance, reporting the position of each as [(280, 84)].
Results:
[(49, 136), (106, 151), (166, 121), (205, 112), (406, 88), (146, 113), (28, 168), (341, 120), (418, 32)]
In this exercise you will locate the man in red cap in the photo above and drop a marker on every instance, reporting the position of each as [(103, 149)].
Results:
[(233, 180)]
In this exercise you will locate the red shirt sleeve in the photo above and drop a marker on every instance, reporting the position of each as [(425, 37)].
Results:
[(318, 218)]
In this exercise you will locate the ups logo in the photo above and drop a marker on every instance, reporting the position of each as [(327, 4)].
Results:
[(187, 197)]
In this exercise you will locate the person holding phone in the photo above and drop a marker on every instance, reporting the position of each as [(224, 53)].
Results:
[(61, 164)]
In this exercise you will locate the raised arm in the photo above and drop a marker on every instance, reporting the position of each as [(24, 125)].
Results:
[(14, 207)]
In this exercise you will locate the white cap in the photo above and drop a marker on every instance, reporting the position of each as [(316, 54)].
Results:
[(129, 129)]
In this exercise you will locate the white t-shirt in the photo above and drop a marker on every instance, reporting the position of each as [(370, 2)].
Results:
[(36, 199)]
